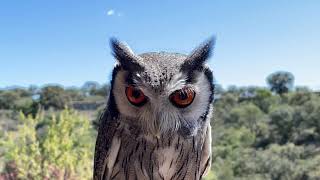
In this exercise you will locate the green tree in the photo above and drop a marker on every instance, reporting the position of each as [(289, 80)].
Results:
[(247, 115), (100, 91), (74, 94), (21, 92), (89, 87), (280, 82), (282, 123), (54, 96), (7, 99), (230, 144), (265, 100), (26, 105)]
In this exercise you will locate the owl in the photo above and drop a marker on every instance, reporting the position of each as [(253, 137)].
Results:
[(156, 124)]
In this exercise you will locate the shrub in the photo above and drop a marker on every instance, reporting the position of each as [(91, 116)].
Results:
[(60, 149)]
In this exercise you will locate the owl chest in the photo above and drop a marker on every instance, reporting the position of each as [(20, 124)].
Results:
[(142, 160)]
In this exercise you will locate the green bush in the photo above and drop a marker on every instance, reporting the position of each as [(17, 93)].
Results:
[(54, 97), (63, 148)]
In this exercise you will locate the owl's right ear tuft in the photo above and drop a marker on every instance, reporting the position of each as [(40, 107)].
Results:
[(199, 56), (127, 59)]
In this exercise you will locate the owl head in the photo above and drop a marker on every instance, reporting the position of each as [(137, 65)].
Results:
[(162, 93)]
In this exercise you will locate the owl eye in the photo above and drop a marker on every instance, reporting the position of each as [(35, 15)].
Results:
[(183, 97), (135, 96)]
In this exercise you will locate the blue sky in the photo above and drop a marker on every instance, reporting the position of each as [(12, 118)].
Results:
[(66, 42)]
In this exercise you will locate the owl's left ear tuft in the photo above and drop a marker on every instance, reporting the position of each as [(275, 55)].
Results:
[(127, 59), (198, 57)]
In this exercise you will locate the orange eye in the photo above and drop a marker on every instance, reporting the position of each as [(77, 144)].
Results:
[(135, 96), (183, 97)]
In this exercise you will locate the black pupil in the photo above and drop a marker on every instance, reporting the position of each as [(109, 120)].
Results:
[(136, 93), (183, 95)]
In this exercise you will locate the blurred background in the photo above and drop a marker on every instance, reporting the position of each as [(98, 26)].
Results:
[(55, 66)]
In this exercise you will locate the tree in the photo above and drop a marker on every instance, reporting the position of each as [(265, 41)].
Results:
[(282, 123), (22, 92), (27, 106), (7, 99), (100, 91), (280, 82), (74, 94), (264, 99), (247, 115), (54, 96), (89, 87), (33, 90)]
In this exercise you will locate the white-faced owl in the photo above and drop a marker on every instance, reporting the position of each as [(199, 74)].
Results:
[(157, 121)]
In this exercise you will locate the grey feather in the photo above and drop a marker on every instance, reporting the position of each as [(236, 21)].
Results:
[(125, 56), (197, 58)]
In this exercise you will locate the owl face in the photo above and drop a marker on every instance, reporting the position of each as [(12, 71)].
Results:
[(162, 93)]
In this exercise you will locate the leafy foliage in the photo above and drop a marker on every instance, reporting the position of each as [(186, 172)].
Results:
[(7, 99), (53, 96), (263, 136), (280, 82), (49, 147)]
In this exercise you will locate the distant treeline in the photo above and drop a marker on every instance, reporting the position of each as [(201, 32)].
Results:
[(28, 100)]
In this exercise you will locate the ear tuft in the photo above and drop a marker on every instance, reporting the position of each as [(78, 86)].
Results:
[(198, 57), (127, 59)]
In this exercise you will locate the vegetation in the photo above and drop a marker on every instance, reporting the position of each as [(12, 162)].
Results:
[(258, 133), (29, 100), (51, 147), (280, 82)]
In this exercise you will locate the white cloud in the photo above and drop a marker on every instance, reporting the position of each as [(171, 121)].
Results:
[(110, 12)]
